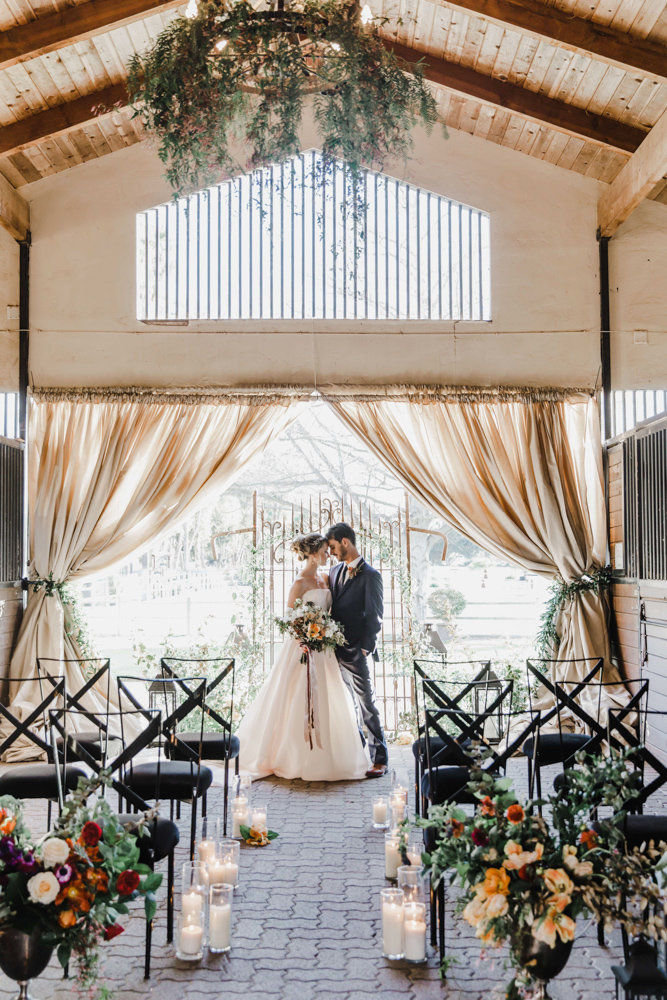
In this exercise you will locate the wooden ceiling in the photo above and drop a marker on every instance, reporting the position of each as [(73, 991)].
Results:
[(579, 83)]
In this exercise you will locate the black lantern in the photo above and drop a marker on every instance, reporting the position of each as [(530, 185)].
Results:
[(162, 696), (640, 978), (486, 692)]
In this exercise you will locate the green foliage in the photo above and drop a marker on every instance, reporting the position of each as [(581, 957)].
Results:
[(548, 637), (200, 101), (446, 603)]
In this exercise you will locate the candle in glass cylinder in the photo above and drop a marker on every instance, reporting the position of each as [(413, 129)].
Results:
[(219, 926), (190, 939), (206, 850), (192, 905), (259, 819), (392, 855), (380, 813), (240, 815), (414, 932), (392, 923), (398, 811)]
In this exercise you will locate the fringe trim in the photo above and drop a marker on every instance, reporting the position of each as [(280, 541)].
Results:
[(261, 395)]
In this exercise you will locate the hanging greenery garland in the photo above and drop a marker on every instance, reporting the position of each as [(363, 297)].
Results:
[(548, 639), (229, 77)]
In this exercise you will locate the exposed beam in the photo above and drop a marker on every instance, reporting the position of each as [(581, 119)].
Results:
[(635, 181), (545, 110), (72, 24), (14, 211), (60, 118), (469, 82), (576, 33)]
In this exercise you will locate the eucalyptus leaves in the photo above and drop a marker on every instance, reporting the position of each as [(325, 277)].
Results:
[(235, 78), (548, 638)]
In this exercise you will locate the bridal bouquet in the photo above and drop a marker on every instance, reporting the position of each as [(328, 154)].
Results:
[(311, 626), (526, 879), (74, 883)]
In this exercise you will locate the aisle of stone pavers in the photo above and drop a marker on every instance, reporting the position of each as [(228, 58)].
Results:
[(306, 918)]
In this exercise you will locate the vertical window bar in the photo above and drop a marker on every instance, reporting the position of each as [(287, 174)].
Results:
[(365, 234), (313, 251), (428, 255), (303, 237), (334, 169), (271, 243), (470, 313), (439, 203), (156, 230), (398, 257), (407, 251), (260, 180), (188, 204), (251, 259), (324, 181), (198, 249), (282, 240), (449, 261), (293, 275), (239, 249), (344, 208), (386, 246), (219, 190), (480, 314), (166, 261), (460, 316), (377, 226), (146, 268)]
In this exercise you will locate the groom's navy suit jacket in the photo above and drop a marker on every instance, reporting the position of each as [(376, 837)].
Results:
[(357, 605)]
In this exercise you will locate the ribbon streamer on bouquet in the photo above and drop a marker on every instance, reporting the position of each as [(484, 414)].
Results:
[(311, 728)]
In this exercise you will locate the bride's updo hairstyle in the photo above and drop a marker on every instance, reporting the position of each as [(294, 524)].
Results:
[(308, 545)]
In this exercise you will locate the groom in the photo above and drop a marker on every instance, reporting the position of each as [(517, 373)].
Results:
[(357, 606)]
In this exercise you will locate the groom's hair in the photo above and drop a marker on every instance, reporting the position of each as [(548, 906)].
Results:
[(340, 531)]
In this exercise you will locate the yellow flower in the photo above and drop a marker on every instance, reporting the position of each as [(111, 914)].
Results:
[(557, 881), (517, 857)]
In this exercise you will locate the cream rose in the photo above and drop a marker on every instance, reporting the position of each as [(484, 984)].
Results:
[(54, 852), (43, 888)]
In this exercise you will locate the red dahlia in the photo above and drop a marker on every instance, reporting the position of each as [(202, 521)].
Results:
[(91, 834), (127, 882), (112, 931)]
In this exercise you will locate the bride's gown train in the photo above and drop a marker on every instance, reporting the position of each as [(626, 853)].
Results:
[(272, 731)]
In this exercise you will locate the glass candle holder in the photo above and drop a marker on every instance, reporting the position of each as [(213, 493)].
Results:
[(193, 896), (220, 917), (380, 813), (258, 818), (244, 786), (410, 878), (399, 811), (397, 789), (206, 844), (415, 849), (189, 939), (414, 932), (225, 866), (391, 901), (392, 855), (240, 814)]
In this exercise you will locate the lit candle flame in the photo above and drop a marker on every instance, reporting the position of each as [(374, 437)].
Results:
[(221, 45), (335, 46)]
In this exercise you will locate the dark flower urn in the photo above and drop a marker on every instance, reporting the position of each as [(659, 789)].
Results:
[(542, 962), (23, 956)]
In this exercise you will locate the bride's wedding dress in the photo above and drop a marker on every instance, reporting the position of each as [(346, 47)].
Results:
[(272, 733)]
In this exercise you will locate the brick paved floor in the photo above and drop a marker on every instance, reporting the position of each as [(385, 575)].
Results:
[(306, 919)]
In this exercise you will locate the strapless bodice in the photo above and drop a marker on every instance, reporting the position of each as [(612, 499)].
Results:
[(320, 596)]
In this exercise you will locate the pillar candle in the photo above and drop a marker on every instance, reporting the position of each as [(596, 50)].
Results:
[(392, 929), (206, 850), (192, 905), (380, 812), (219, 926), (414, 930), (259, 820), (392, 857), (239, 815), (191, 938)]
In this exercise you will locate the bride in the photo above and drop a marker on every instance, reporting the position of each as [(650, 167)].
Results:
[(272, 731)]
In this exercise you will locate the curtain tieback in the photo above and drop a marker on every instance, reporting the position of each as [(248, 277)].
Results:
[(49, 585), (562, 592)]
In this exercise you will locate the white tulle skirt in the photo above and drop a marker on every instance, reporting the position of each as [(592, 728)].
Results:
[(274, 734)]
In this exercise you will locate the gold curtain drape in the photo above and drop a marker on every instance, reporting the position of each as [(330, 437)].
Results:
[(107, 477), (520, 476)]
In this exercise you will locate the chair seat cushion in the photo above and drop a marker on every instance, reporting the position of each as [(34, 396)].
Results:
[(444, 783), (641, 829), (163, 836), (554, 748), (452, 755), (214, 746), (177, 779), (38, 781), (91, 743)]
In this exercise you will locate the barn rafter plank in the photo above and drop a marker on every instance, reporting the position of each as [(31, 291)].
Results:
[(73, 24), (578, 34), (546, 110), (635, 181)]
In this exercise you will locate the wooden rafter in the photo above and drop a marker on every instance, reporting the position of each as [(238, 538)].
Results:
[(14, 211), (72, 24), (545, 110), (511, 97), (576, 33), (635, 181)]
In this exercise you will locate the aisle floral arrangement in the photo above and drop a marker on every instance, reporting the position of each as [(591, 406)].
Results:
[(75, 882), (526, 879)]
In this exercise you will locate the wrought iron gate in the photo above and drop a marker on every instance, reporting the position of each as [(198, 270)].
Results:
[(383, 540)]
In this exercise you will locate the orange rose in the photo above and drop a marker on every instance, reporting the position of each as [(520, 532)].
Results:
[(515, 813), (496, 882), (7, 823), (67, 918), (457, 828), (487, 807)]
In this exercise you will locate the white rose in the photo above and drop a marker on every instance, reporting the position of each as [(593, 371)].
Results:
[(54, 852), (43, 888)]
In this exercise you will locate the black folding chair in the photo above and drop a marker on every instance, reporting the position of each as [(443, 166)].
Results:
[(437, 693), (178, 780), (219, 744), (652, 768), (162, 835), (449, 783), (36, 779), (555, 747), (100, 677)]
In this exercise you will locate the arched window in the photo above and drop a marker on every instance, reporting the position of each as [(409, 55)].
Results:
[(283, 243)]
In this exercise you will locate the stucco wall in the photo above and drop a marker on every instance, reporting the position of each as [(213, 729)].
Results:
[(545, 304), (9, 296), (638, 283)]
